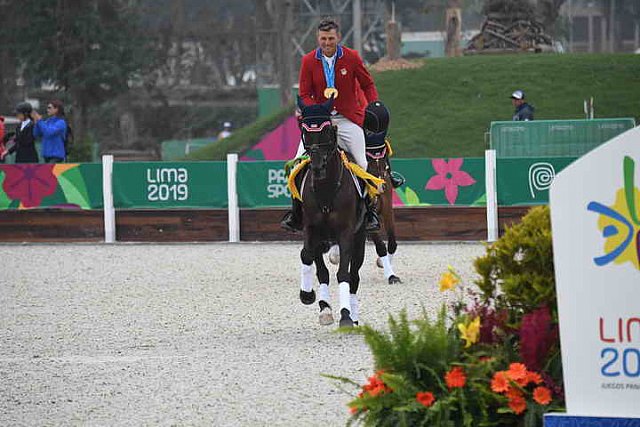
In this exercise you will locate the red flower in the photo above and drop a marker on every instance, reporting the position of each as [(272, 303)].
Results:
[(538, 334), (455, 377), (425, 398), (500, 382), (518, 404), (450, 177), (29, 183), (542, 395), (376, 386)]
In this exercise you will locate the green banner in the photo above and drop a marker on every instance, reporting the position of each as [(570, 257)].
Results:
[(527, 181), (170, 185), (60, 186), (454, 181), (262, 184)]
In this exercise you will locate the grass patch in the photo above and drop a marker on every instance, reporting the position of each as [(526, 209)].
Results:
[(444, 108)]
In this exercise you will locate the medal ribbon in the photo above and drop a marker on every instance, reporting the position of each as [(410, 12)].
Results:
[(329, 71)]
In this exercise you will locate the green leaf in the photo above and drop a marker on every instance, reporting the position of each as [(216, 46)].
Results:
[(412, 197), (5, 201), (74, 193)]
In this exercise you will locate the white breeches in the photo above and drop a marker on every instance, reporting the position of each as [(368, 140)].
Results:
[(350, 138)]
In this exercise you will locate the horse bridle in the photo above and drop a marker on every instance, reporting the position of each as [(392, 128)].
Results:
[(378, 154), (333, 148)]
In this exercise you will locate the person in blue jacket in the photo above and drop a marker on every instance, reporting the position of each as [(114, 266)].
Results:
[(52, 131)]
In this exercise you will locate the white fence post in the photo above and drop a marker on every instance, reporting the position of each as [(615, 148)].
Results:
[(232, 191), (107, 197), (492, 195)]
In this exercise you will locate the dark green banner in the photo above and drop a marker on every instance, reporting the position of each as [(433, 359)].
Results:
[(454, 181), (527, 181), (170, 185), (60, 186)]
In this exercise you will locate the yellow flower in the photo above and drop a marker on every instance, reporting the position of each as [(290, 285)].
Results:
[(449, 280), (471, 332)]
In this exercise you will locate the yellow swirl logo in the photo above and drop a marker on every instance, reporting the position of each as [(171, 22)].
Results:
[(619, 223)]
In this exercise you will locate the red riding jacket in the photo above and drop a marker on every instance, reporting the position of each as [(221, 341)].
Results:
[(351, 79)]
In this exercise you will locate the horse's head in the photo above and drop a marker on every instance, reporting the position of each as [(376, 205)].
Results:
[(319, 136)]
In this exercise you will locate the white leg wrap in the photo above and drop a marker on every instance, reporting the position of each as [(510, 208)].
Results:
[(323, 292), (355, 307), (345, 296), (386, 264), (306, 277)]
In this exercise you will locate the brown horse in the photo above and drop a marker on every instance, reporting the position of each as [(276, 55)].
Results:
[(333, 211), (378, 165)]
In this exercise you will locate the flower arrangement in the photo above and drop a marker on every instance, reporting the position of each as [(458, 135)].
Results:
[(486, 360)]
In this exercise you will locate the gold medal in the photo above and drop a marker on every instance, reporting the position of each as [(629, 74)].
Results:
[(331, 91)]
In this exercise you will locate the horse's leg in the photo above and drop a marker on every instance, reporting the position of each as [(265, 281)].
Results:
[(326, 316), (307, 294), (346, 244), (389, 226), (381, 248), (357, 259)]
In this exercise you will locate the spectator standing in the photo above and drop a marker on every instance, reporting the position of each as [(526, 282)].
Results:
[(226, 131), (24, 142), (524, 111), (53, 131)]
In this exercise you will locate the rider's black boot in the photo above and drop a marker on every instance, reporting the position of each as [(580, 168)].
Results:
[(372, 222), (292, 220)]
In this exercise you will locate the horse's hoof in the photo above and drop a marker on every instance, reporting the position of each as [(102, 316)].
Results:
[(345, 319), (326, 316), (394, 280), (308, 298), (334, 255), (379, 263)]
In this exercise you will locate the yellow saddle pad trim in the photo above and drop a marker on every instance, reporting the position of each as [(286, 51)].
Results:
[(291, 181), (387, 142), (372, 182)]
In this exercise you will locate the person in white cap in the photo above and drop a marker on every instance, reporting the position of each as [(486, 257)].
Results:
[(524, 111), (226, 130)]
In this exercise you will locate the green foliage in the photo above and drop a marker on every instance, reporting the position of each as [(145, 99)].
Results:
[(520, 264), (242, 139)]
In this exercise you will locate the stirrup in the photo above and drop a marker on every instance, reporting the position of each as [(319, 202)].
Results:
[(396, 181), (290, 223), (372, 223)]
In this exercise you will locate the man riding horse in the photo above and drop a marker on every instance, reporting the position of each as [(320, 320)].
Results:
[(335, 71)]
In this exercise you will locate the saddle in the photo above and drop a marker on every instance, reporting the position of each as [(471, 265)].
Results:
[(362, 179)]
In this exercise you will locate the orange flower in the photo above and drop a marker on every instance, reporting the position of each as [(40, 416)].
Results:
[(425, 398), (518, 404), (377, 390), (534, 377), (353, 410), (517, 371), (542, 395), (500, 382), (455, 377), (513, 393)]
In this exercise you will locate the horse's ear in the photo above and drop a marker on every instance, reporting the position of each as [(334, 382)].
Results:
[(300, 103), (329, 104)]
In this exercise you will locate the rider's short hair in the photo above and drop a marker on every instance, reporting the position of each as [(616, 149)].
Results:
[(328, 25)]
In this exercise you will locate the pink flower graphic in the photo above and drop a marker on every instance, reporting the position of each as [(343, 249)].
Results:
[(29, 183), (450, 177)]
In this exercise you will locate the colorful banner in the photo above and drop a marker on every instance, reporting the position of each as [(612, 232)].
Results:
[(595, 216), (449, 182), (150, 185), (279, 144), (61, 186), (527, 181)]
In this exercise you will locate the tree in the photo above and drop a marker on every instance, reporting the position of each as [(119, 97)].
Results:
[(88, 49)]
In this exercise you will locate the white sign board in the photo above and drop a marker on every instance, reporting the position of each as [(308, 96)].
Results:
[(595, 216)]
